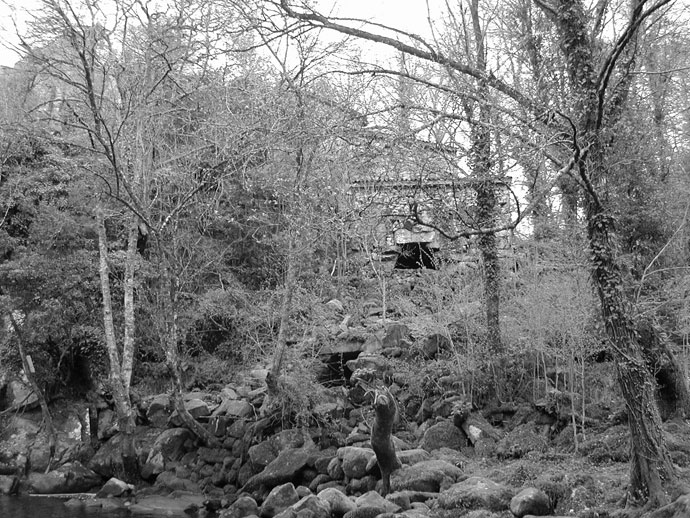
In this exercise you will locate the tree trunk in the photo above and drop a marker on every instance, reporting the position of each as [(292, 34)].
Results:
[(272, 379), (481, 161), (650, 460), (486, 202), (168, 299), (129, 331), (120, 393)]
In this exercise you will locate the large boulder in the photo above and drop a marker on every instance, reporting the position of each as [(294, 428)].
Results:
[(114, 487), (355, 460), (337, 501), (168, 447), (476, 493), (443, 434), (286, 467), (171, 482), (107, 461), (72, 477), (232, 406), (313, 505), (425, 476), (240, 508), (19, 393), (197, 408), (159, 410), (410, 457), (531, 501), (520, 441), (281, 497), (374, 499)]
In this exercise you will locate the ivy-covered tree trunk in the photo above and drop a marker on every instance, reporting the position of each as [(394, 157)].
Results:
[(650, 461), (482, 165), (651, 466), (486, 215)]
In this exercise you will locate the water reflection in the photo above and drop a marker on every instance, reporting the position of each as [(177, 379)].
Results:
[(42, 507)]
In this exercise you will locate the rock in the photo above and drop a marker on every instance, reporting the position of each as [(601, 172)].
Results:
[(107, 424), (335, 469), (355, 460), (172, 482), (338, 503), (168, 447), (409, 457), (262, 454), (107, 461), (197, 409), (443, 434), (324, 459), (114, 487), (242, 507), (285, 468), (234, 408), (364, 512), (476, 493), (159, 405), (237, 429), (407, 499), (280, 498), (9, 484), (368, 362), (476, 428), (373, 499), (613, 446), (531, 501), (433, 345), (520, 441), (396, 335), (19, 394), (182, 506), (72, 477), (314, 504), (212, 455), (426, 476), (292, 438)]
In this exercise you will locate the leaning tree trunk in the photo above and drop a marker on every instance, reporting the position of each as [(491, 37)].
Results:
[(650, 461), (651, 465), (29, 372)]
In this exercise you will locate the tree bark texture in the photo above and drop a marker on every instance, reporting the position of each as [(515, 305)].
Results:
[(650, 461), (120, 393), (481, 161)]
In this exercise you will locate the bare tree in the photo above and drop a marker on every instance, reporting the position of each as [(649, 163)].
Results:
[(598, 85)]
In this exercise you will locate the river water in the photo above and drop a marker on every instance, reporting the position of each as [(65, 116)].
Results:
[(43, 507)]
